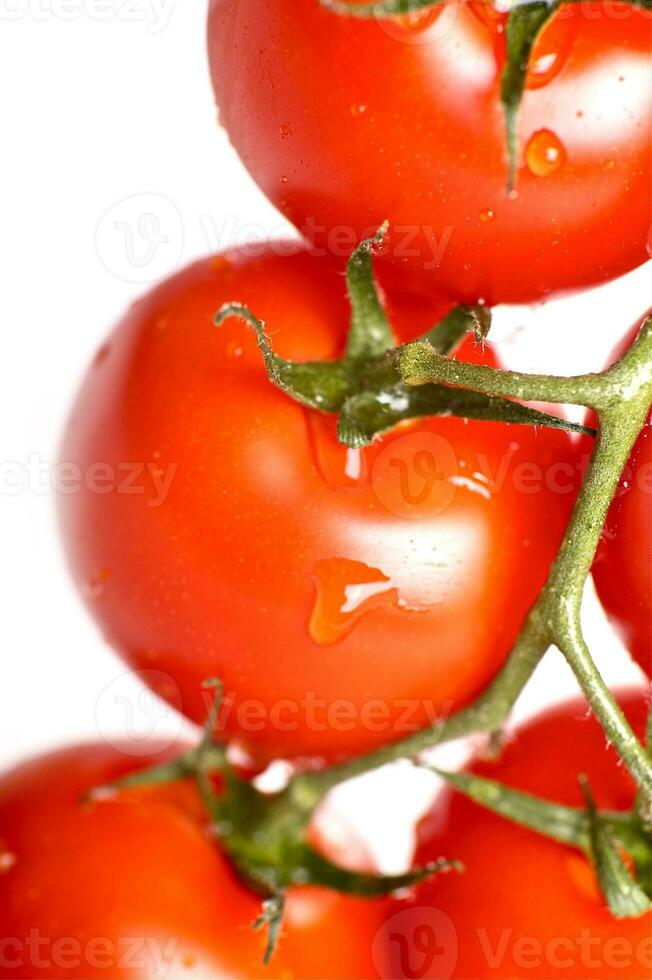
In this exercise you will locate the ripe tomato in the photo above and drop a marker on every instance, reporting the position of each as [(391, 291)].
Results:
[(131, 886), (525, 906), (623, 567), (346, 122), (345, 598)]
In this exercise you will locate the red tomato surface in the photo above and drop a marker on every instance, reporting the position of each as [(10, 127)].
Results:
[(131, 886), (525, 906), (623, 565), (346, 122), (345, 598)]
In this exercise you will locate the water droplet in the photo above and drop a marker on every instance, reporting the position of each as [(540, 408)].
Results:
[(102, 355), (346, 590), (93, 589), (418, 20), (284, 131), (358, 109), (609, 164), (551, 51), (7, 862), (487, 215), (234, 349), (544, 153), (284, 179)]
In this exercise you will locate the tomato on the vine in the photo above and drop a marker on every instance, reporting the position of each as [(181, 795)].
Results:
[(524, 906), (346, 122), (346, 598), (131, 885)]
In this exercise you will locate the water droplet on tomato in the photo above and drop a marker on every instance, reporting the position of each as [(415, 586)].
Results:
[(358, 109), (544, 153), (339, 466), (234, 349), (284, 179), (284, 131), (418, 20), (346, 590), (94, 589), (101, 355), (487, 216), (551, 51)]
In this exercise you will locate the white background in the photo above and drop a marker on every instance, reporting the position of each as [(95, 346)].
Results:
[(107, 115)]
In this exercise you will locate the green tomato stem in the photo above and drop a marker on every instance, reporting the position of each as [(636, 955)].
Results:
[(622, 397)]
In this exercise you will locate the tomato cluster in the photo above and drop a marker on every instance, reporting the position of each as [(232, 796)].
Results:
[(349, 593)]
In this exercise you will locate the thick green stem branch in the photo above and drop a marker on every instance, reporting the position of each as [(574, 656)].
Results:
[(622, 396)]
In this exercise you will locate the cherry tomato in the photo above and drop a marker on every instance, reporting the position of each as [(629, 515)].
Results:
[(346, 598), (130, 885), (623, 565), (345, 123), (525, 906)]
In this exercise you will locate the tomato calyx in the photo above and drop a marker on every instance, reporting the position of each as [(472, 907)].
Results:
[(365, 388), (617, 844), (265, 835)]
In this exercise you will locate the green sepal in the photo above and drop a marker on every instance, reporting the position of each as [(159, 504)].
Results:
[(272, 919), (567, 825), (447, 335), (370, 333), (595, 834), (369, 395), (381, 8), (323, 385), (624, 895), (524, 24), (401, 8)]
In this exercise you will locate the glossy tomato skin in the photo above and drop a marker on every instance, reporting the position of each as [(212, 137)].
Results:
[(525, 907), (344, 598), (623, 565), (131, 886), (345, 123)]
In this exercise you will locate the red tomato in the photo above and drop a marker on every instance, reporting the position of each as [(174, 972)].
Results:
[(345, 598), (131, 886), (525, 906), (346, 122), (623, 565)]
